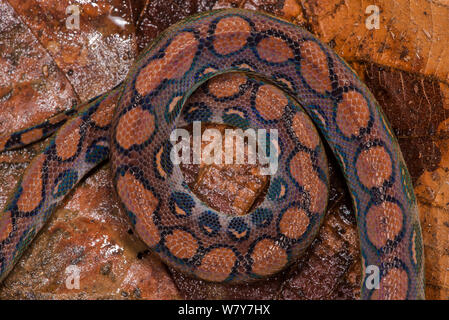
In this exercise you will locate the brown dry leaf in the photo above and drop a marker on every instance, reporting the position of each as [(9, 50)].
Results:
[(32, 87), (412, 35), (94, 57)]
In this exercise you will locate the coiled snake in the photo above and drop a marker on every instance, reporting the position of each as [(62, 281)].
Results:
[(283, 68)]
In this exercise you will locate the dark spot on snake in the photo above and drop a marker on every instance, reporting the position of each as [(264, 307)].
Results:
[(209, 223), (278, 189), (238, 230), (64, 182), (181, 204), (197, 112), (262, 217)]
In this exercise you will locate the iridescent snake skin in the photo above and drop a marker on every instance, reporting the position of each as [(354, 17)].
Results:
[(270, 69)]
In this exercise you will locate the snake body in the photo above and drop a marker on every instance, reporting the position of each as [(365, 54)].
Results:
[(262, 58)]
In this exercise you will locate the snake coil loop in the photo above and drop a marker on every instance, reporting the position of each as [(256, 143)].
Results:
[(268, 71)]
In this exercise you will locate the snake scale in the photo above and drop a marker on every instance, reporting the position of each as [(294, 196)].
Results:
[(270, 71)]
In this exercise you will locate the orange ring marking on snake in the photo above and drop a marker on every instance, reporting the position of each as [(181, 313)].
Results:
[(181, 244), (352, 113), (159, 167), (305, 131), (102, 117), (301, 169), (268, 258), (5, 225), (227, 85), (374, 167), (239, 235), (141, 201), (226, 43), (245, 66), (393, 286), (68, 138), (173, 103), (383, 223), (286, 83), (314, 67), (31, 194), (174, 64), (148, 231), (135, 127), (274, 50), (270, 102), (318, 194), (294, 223), (212, 270)]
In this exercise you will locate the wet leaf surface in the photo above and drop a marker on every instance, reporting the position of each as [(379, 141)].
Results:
[(32, 87), (94, 56)]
